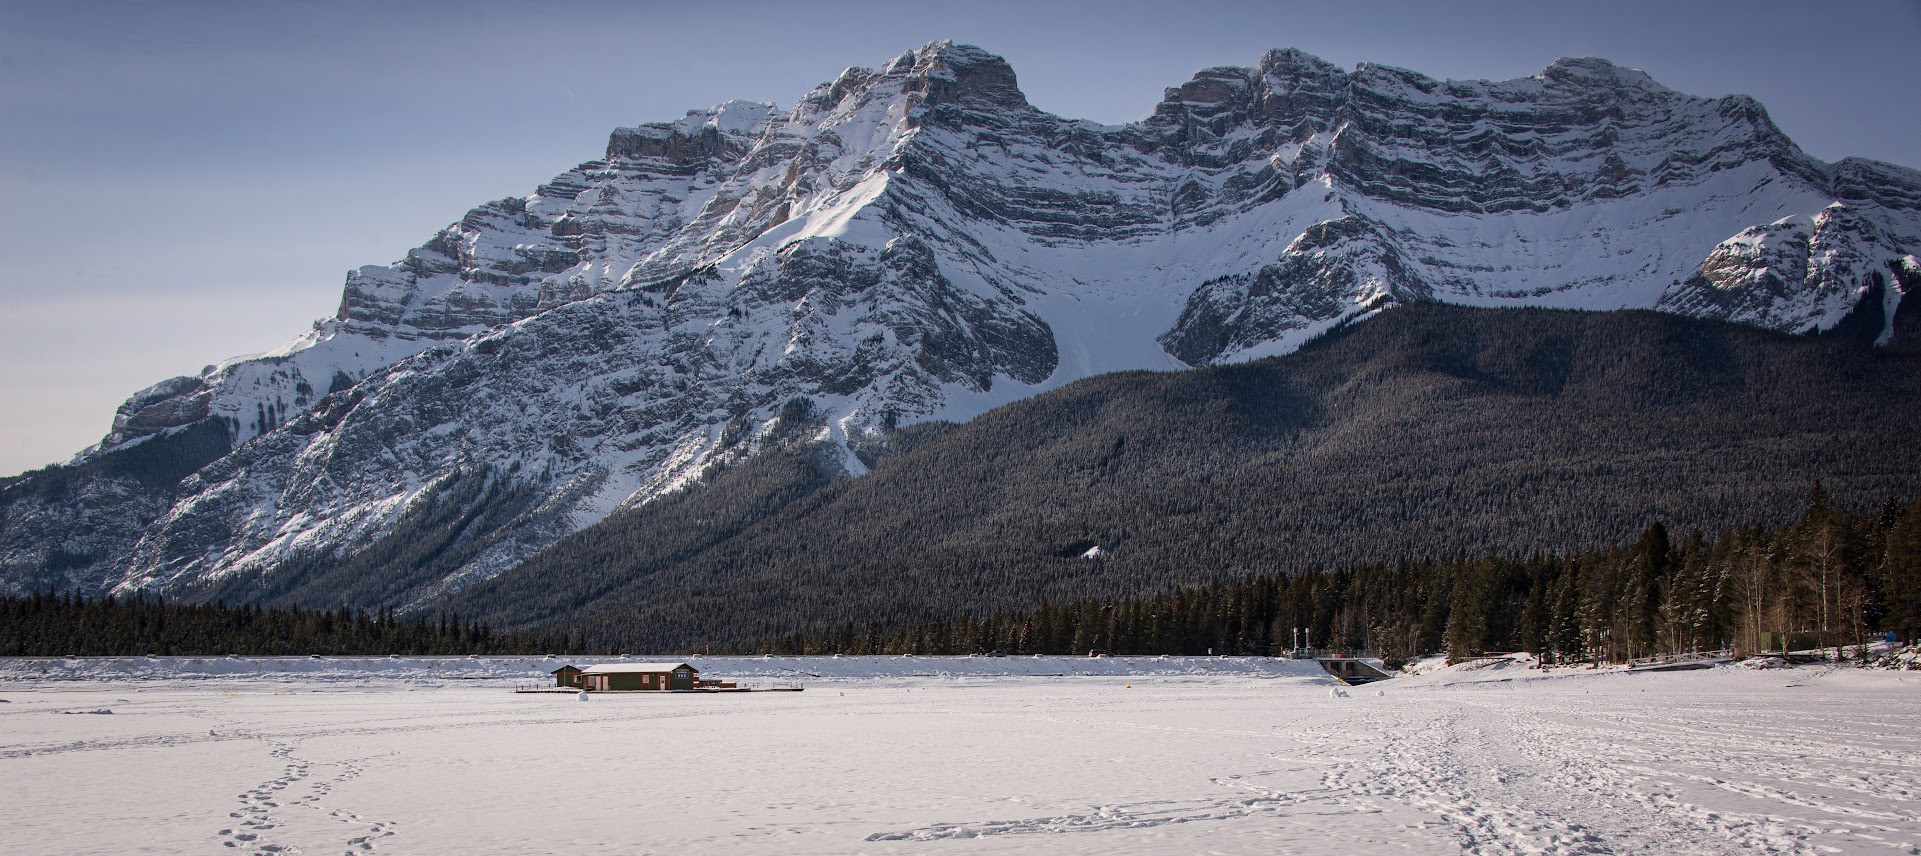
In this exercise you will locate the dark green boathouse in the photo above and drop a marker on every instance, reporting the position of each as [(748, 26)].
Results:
[(627, 677)]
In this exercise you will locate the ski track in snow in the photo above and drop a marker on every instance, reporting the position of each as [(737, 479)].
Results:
[(1501, 776), (1729, 761)]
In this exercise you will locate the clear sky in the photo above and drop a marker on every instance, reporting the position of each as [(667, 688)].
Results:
[(187, 181)]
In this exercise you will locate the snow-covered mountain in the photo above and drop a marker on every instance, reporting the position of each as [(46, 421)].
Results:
[(918, 242)]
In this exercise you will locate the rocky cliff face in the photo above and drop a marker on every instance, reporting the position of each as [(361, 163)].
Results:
[(918, 242)]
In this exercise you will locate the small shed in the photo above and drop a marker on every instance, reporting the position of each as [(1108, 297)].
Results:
[(567, 676), (638, 676)]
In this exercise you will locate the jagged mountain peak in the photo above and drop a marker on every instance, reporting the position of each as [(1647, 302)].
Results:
[(950, 59), (1295, 62), (918, 242), (700, 135), (1594, 71), (940, 72), (729, 117)]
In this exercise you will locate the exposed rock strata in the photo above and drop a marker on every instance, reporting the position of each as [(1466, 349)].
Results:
[(918, 242)]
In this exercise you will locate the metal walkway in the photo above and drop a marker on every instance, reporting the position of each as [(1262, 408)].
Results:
[(1352, 672)]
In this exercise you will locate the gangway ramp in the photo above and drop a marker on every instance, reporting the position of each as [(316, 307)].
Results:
[(1353, 672)]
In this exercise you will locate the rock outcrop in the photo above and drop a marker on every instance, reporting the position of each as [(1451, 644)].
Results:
[(918, 242)]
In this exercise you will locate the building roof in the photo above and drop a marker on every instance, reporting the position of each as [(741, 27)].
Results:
[(627, 668), (565, 669)]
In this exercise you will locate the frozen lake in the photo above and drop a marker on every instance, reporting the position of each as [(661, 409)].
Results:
[(953, 755)]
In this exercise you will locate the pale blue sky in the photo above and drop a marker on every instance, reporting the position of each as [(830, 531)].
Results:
[(184, 182)]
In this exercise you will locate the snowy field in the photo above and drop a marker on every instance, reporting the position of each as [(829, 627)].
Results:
[(952, 756)]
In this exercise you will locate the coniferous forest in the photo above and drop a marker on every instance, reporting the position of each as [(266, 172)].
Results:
[(1420, 481), (44, 625), (1829, 580), (1428, 433)]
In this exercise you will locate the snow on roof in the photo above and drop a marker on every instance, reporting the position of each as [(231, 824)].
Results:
[(626, 668)]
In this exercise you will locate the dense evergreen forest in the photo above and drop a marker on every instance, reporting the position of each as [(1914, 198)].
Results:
[(1830, 579), (44, 625), (1428, 432)]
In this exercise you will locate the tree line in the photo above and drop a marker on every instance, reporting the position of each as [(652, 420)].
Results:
[(66, 625), (1830, 579)]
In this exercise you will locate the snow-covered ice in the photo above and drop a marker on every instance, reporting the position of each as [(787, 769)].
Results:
[(950, 755)]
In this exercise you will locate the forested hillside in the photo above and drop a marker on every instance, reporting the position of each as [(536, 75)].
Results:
[(1427, 432), (70, 626), (1830, 579), (604, 337)]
